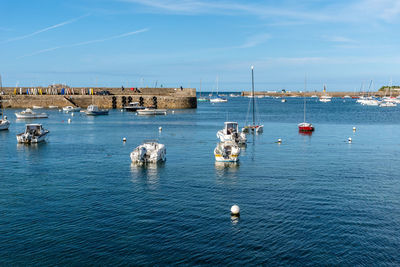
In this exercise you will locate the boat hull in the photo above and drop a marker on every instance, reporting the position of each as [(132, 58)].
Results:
[(149, 153), (97, 113), (306, 127), (26, 116), (4, 124), (29, 139), (152, 112)]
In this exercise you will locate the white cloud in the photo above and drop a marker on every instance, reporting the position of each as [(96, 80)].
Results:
[(85, 43), (255, 40), (44, 30)]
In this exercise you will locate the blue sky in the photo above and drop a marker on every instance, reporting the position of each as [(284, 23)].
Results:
[(178, 42)]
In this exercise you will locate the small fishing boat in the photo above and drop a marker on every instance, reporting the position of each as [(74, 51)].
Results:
[(253, 128), (325, 98), (227, 151), (200, 98), (30, 114), (53, 107), (94, 110), (133, 107), (149, 152), (34, 133), (71, 109), (37, 107), (152, 111), (231, 133)]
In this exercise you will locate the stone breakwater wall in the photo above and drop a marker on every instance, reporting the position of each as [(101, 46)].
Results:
[(170, 99)]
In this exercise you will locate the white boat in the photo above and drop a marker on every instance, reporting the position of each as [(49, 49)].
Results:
[(29, 114), (231, 133), (253, 128), (347, 96), (200, 98), (133, 107), (34, 133), (387, 104), (314, 96), (94, 110), (152, 111), (227, 152), (4, 123), (325, 98), (37, 107), (149, 152), (218, 99), (71, 109), (283, 100), (53, 107)]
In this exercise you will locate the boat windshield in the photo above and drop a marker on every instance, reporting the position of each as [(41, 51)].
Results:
[(231, 127)]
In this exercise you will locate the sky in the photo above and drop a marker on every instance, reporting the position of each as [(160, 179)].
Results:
[(344, 44)]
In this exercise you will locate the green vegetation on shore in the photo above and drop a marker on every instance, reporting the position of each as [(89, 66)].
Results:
[(383, 88)]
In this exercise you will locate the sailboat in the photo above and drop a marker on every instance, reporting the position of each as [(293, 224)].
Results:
[(305, 126), (254, 128), (218, 99), (201, 99)]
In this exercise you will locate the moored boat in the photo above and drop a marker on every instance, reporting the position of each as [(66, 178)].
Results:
[(30, 114), (71, 109), (227, 151), (34, 133), (149, 152), (133, 106), (231, 133), (253, 128), (305, 126), (152, 111), (94, 110), (4, 123)]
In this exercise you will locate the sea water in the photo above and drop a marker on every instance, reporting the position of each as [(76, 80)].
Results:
[(312, 200)]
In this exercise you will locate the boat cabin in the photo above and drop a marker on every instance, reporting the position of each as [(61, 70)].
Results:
[(34, 129), (231, 127)]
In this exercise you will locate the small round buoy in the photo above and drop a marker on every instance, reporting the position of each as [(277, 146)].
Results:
[(69, 120), (122, 110), (72, 114), (67, 111), (5, 117), (173, 111), (124, 139), (160, 128), (354, 129), (350, 140), (235, 210), (59, 110), (279, 141)]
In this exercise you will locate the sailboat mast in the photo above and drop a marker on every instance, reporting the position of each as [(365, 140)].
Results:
[(305, 89), (252, 90), (200, 88), (1, 100)]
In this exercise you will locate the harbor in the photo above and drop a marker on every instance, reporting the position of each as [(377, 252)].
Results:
[(81, 187)]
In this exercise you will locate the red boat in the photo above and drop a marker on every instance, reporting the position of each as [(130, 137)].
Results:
[(306, 127)]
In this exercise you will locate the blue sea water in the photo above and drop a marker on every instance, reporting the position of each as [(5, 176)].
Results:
[(312, 200)]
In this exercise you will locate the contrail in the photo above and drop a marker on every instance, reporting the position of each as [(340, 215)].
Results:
[(44, 30), (85, 43)]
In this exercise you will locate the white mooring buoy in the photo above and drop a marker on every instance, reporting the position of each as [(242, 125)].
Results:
[(69, 120), (279, 141), (160, 128), (235, 210), (354, 129), (350, 140), (72, 114), (122, 110), (124, 139)]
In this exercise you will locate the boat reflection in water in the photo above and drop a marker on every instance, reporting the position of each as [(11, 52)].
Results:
[(309, 133), (226, 171), (148, 173)]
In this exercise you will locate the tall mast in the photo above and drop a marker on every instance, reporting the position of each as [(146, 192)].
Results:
[(305, 89), (200, 88), (252, 89)]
